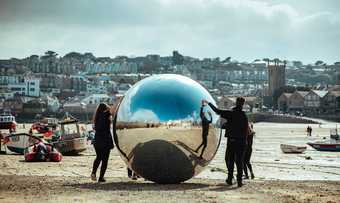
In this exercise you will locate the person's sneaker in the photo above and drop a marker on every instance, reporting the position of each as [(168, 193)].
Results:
[(102, 180), (239, 184), (134, 177), (246, 177), (252, 176), (93, 177), (229, 181)]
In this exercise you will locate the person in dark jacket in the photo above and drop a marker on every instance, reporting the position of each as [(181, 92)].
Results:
[(103, 142), (247, 153), (205, 130), (236, 139)]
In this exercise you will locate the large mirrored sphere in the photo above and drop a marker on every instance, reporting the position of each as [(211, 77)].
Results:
[(163, 132)]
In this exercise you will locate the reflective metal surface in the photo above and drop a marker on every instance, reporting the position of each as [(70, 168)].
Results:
[(159, 127)]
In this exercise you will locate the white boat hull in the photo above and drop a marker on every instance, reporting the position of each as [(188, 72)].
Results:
[(292, 149)]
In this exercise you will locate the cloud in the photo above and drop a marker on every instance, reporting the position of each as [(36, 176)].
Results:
[(144, 115), (245, 29)]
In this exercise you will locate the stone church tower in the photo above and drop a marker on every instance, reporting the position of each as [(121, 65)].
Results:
[(276, 77)]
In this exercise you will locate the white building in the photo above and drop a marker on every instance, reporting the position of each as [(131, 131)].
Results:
[(87, 104), (27, 87), (93, 88), (114, 67), (9, 79), (313, 98), (6, 95), (98, 98), (52, 103), (50, 92), (123, 87)]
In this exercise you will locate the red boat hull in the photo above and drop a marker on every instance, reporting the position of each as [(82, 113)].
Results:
[(53, 155), (325, 147)]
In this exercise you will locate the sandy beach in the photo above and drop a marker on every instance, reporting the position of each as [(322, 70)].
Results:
[(310, 177), (80, 189)]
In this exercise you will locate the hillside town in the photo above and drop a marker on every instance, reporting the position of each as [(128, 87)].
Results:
[(50, 85)]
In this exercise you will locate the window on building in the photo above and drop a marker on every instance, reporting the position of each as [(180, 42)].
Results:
[(32, 89), (16, 88)]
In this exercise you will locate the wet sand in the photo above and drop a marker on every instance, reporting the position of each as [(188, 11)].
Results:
[(279, 177), (270, 163)]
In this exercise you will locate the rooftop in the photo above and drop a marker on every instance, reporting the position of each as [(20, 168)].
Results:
[(320, 93)]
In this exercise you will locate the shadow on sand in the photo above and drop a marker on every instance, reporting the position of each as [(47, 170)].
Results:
[(149, 186), (139, 186), (223, 187)]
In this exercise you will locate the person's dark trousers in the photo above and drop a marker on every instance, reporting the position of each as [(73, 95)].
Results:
[(205, 132), (204, 143), (103, 155), (129, 172), (247, 156), (234, 154)]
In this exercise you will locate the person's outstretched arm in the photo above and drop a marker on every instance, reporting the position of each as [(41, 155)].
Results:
[(223, 113), (215, 109)]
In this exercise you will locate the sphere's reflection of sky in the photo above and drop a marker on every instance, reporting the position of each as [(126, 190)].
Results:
[(162, 98)]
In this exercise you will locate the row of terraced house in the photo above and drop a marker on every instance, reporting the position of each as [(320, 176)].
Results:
[(311, 102)]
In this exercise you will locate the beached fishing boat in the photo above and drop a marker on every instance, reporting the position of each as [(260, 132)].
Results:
[(40, 127), (325, 146), (17, 143), (45, 125), (7, 121), (42, 152), (333, 144), (292, 149), (69, 140), (50, 122)]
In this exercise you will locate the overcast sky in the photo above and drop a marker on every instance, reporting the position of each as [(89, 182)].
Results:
[(304, 30)]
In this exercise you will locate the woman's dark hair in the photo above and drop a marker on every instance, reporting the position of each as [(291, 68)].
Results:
[(101, 108), (240, 101)]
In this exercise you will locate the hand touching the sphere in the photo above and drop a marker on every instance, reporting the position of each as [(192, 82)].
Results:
[(204, 102)]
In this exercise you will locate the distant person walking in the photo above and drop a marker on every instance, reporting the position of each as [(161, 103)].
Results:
[(205, 129), (103, 142), (309, 131), (247, 153), (236, 140)]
